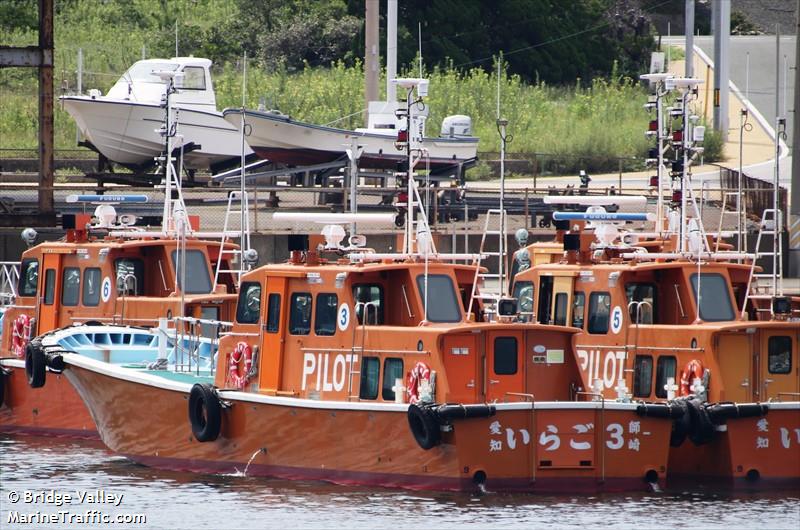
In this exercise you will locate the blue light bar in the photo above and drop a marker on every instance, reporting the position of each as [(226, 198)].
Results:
[(114, 199), (599, 216)]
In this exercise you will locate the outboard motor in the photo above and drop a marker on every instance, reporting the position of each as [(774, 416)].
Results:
[(456, 126)]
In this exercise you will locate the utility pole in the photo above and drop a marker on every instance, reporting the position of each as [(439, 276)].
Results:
[(391, 50), (794, 199), (721, 24), (372, 55), (689, 33)]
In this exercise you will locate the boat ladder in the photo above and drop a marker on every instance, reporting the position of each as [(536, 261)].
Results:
[(495, 290), (767, 285), (733, 197), (9, 278), (238, 208)]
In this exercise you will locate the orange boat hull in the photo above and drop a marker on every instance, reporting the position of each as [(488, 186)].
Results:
[(53, 410), (372, 444)]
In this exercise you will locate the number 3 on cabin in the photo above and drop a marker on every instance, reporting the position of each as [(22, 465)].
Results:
[(344, 317)]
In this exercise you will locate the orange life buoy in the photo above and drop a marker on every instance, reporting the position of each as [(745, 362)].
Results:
[(21, 335), (419, 373), (693, 370), (241, 361)]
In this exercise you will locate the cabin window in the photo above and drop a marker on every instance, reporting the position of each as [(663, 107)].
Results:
[(142, 71), (248, 308), (642, 375), (194, 78), (715, 301), (325, 318), (505, 355), (666, 367), (49, 286), (300, 315), (643, 296), (578, 303), (392, 370), (599, 310), (370, 373), (91, 286), (273, 312), (198, 280), (560, 317), (523, 292), (369, 299), (71, 286), (780, 355), (28, 277), (443, 302), (130, 275), (545, 299), (209, 330)]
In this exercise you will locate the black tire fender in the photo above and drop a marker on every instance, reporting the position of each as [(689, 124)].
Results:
[(681, 424), (205, 412), (35, 365), (703, 429), (424, 426), (2, 385)]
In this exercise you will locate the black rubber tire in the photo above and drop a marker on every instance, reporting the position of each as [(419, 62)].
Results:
[(2, 386), (205, 412), (681, 425), (424, 426), (35, 367), (703, 429)]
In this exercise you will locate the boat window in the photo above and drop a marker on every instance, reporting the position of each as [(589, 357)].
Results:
[(28, 277), (505, 355), (545, 299), (300, 315), (273, 312), (523, 292), (130, 275), (49, 286), (209, 330), (143, 72), (369, 299), (666, 367), (642, 375), (644, 293), (248, 308), (370, 372), (780, 355), (715, 301), (198, 279), (325, 318), (392, 370), (194, 78), (578, 302), (70, 286), (599, 310), (91, 286), (560, 317), (443, 302)]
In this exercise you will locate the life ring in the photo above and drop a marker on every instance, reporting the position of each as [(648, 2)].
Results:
[(205, 412), (419, 373), (693, 370), (20, 335), (424, 426), (240, 364)]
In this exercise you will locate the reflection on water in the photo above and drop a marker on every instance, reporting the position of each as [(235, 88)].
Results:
[(183, 500)]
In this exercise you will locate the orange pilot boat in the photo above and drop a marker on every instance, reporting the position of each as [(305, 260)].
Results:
[(673, 318), (110, 271), (378, 369)]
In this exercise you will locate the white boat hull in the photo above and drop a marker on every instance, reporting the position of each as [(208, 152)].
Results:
[(126, 132), (278, 138)]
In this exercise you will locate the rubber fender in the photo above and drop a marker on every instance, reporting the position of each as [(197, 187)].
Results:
[(702, 430), (456, 411), (681, 424), (54, 361), (660, 410), (2, 385), (205, 412), (35, 367), (424, 426), (719, 412)]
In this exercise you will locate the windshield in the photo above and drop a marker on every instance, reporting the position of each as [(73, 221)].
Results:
[(714, 299), (143, 72), (198, 280), (442, 299)]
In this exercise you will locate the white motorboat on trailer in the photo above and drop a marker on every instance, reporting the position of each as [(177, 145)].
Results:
[(123, 125)]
